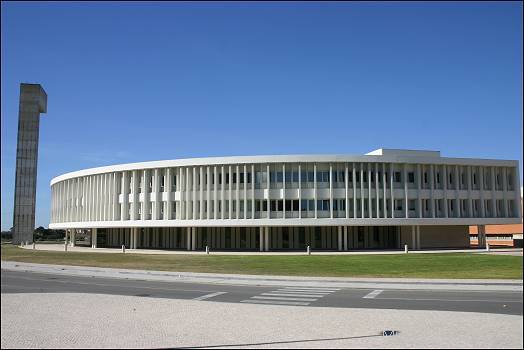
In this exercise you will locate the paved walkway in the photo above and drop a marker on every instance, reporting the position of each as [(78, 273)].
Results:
[(60, 247), (78, 320), (265, 280)]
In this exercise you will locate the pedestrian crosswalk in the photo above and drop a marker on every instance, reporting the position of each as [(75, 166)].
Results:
[(291, 296)]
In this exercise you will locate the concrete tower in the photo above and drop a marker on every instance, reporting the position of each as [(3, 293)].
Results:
[(33, 101)]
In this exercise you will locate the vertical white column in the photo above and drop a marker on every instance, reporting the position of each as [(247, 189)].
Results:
[(252, 191), (384, 193), (418, 237), (193, 238), (354, 180), (66, 215), (377, 196), (188, 238), (124, 209), (94, 232), (345, 238), (413, 238), (406, 199), (370, 199), (493, 195), (187, 188), (168, 187), (215, 193), (179, 212), (505, 191), (362, 197), (419, 190), (222, 191), (266, 238), (457, 192), (283, 190), (299, 191), (230, 188), (470, 200), (340, 238), (201, 189), (145, 193), (261, 238), (237, 193), (315, 188), (432, 190), (245, 192), (331, 193), (209, 215), (134, 195), (346, 185), (392, 194), (516, 192), (156, 188), (482, 187), (267, 200), (194, 184), (445, 184)]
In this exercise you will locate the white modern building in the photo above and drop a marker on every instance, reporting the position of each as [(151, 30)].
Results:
[(382, 200)]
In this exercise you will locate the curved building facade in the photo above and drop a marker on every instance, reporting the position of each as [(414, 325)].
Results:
[(382, 200)]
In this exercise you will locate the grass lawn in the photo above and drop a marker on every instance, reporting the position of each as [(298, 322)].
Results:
[(449, 265)]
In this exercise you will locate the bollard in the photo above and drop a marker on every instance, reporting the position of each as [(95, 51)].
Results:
[(405, 248), (123, 248), (207, 249), (308, 250), (34, 245), (487, 247), (65, 246)]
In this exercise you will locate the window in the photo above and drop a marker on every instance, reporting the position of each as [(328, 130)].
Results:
[(398, 204), (398, 177), (411, 204), (425, 178), (304, 205), (411, 177)]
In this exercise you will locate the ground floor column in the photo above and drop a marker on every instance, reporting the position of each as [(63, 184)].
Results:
[(345, 238), (340, 238), (93, 237), (266, 239), (481, 230), (193, 238), (261, 238), (418, 237), (72, 236), (413, 237), (188, 238)]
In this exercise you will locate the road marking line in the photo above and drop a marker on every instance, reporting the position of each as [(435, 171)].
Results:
[(274, 302), (456, 300), (312, 289), (282, 298), (373, 294), (303, 291), (207, 296), (291, 295)]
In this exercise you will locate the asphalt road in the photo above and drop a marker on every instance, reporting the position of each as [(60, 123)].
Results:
[(469, 301)]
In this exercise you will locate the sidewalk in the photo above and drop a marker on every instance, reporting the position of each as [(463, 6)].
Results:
[(60, 247), (264, 280)]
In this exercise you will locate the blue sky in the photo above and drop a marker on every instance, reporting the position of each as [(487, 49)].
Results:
[(129, 82)]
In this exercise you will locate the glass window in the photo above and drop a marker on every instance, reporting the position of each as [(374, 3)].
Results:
[(398, 176), (411, 177), (304, 205)]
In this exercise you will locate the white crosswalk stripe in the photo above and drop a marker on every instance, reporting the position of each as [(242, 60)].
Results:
[(291, 296)]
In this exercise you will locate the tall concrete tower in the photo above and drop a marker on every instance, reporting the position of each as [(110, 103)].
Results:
[(33, 101)]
